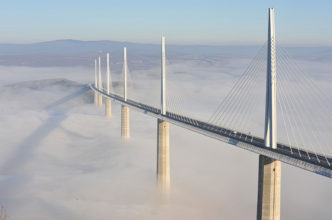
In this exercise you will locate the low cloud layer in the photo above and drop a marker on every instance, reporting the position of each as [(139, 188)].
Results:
[(62, 159)]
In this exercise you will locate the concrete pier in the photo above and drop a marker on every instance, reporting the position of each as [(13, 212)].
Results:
[(96, 98), (163, 163), (125, 117), (269, 181), (108, 108), (100, 102)]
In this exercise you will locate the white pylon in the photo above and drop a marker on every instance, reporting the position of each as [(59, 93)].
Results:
[(108, 104), (163, 78), (96, 78), (100, 84), (100, 81), (108, 75), (125, 72), (96, 96), (125, 116), (270, 131)]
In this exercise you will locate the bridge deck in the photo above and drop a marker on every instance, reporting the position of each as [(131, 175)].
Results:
[(310, 161)]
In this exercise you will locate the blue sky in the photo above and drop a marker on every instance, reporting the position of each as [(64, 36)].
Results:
[(182, 21)]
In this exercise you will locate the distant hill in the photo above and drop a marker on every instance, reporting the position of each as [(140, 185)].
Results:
[(75, 52), (78, 47), (68, 47)]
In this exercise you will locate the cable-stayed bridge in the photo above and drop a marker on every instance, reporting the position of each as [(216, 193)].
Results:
[(233, 109), (301, 158)]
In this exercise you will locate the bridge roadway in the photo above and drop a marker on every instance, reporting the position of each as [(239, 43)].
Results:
[(310, 161)]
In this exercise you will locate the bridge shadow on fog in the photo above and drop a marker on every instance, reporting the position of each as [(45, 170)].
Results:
[(25, 150), (67, 98)]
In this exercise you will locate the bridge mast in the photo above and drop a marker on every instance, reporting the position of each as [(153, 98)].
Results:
[(163, 78), (96, 83), (108, 112), (100, 86), (125, 127), (268, 204), (125, 70), (270, 133), (108, 73)]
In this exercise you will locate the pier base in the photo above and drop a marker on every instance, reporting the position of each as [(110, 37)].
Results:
[(269, 176), (125, 127), (100, 98), (163, 164), (108, 108), (96, 98)]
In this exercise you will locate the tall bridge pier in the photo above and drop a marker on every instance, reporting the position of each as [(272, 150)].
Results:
[(269, 171), (163, 161), (125, 117), (268, 205), (108, 103), (108, 107)]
